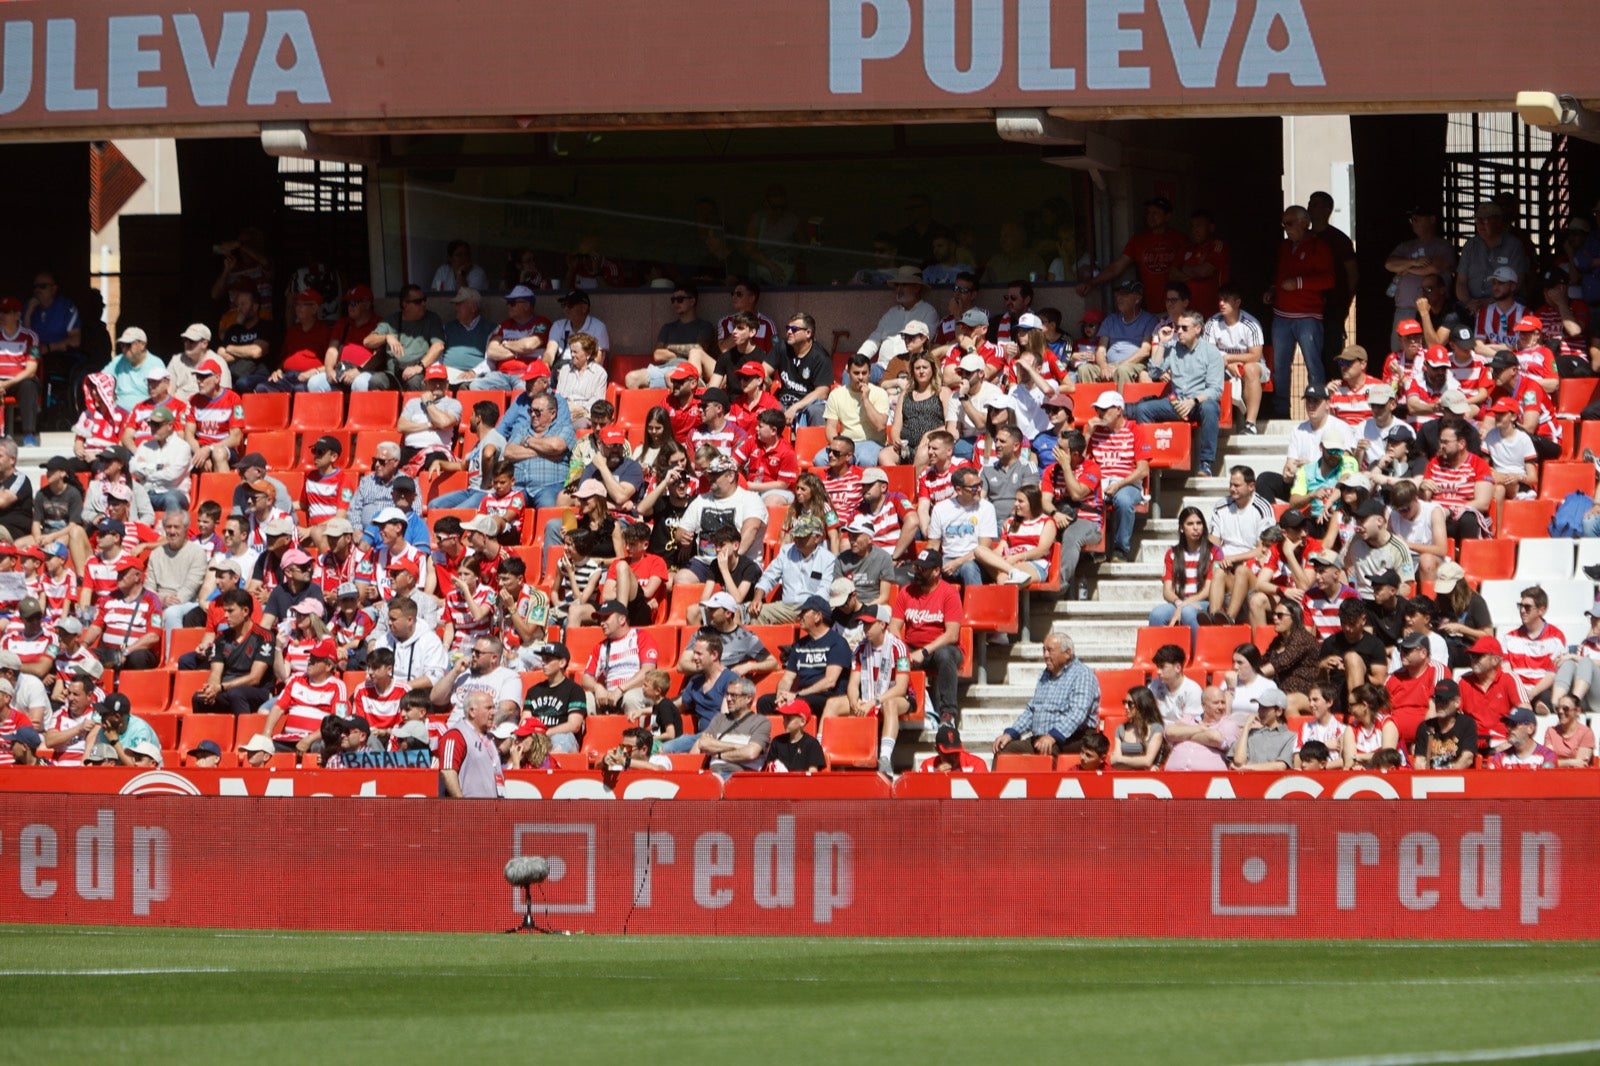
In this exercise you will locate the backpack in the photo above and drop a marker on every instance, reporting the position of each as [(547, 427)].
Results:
[(1568, 519)]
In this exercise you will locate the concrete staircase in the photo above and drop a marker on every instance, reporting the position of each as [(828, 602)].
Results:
[(1105, 626)]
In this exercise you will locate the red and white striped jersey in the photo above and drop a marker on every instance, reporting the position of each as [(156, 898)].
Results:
[(844, 492), (307, 703), (613, 662), (1573, 347), (458, 610), (1117, 452), (1189, 583), (70, 754), (887, 521), (70, 662), (327, 494), (350, 631), (724, 440), (1471, 376), (10, 722), (1350, 404), (1369, 738), (380, 709), (122, 622), (30, 648), (1528, 657), (255, 538), (1492, 325), (100, 574), (98, 431), (138, 419), (880, 666), (508, 508), (17, 351), (1418, 386), (1321, 612), (297, 652), (214, 419), (509, 330), (1397, 374), (1455, 486), (1329, 734), (1537, 361), (934, 486), (1024, 536)]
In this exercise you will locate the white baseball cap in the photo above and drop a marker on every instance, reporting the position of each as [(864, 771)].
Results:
[(1109, 399), (129, 336)]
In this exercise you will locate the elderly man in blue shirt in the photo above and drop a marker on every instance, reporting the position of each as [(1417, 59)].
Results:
[(1065, 707), (1193, 366)]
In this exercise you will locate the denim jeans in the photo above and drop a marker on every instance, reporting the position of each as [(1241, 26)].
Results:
[(679, 745), (1166, 614), (1122, 503), (1207, 412), (968, 573), (493, 381), (1287, 333), (461, 499), (866, 454), (811, 414)]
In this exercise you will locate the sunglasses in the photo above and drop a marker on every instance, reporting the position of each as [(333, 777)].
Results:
[(678, 299), (794, 329)]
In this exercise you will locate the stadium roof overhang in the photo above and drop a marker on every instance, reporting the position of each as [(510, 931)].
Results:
[(90, 69)]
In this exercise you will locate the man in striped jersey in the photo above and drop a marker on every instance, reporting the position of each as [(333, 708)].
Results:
[(1124, 460), (1460, 482), (307, 699), (126, 634), (1532, 647), (328, 491), (1324, 598), (19, 367), (879, 682), (217, 429)]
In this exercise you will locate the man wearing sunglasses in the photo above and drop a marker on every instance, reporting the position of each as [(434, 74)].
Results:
[(687, 339), (412, 339), (803, 370)]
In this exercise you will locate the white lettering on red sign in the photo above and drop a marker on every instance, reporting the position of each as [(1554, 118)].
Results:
[(1116, 57), (95, 862)]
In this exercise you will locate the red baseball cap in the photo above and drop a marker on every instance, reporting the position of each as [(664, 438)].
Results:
[(1436, 355), (1409, 328), (684, 372), (613, 435), (308, 296), (536, 369), (1529, 324), (9, 305), (325, 649), (357, 293), (529, 727), (753, 369), (1505, 405), (797, 708), (436, 372), (408, 563)]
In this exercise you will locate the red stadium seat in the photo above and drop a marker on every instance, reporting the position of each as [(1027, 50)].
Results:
[(185, 683), (1171, 444), (149, 691), (318, 412), (217, 487), (687, 764), (1006, 763), (603, 732), (679, 599), (265, 410), (849, 742), (1263, 636), (774, 637), (364, 443), (1557, 480), (1213, 646), (666, 638), (1135, 391), (990, 608), (286, 760), (454, 481), (1114, 686), (1489, 560), (808, 441), (1526, 518), (1574, 394), (581, 642), (280, 448), (902, 479), (183, 640), (165, 726), (247, 726), (1588, 434), (918, 693), (372, 410), (634, 405), (1083, 397), (197, 727), (1151, 638), (570, 760)]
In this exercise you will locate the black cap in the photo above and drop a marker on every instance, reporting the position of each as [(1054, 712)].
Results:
[(1400, 431), (1291, 520), (1445, 691), (206, 747), (1388, 577), (555, 651), (327, 444), (928, 557), (1130, 286), (58, 462), (115, 703), (574, 296), (1370, 508), (1461, 334), (947, 740), (250, 459), (119, 453), (1502, 359), (714, 396), (1413, 640), (355, 722), (1423, 210), (1315, 394), (1553, 277), (610, 607), (403, 484)]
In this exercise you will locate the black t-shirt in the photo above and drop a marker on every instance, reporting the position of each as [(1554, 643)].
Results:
[(695, 331), (238, 656), (668, 717), (552, 704), (811, 658), (797, 756), (1441, 747), (19, 516), (663, 524), (56, 509), (1390, 626), (798, 375), (281, 598), (257, 333), (1369, 647), (1428, 439)]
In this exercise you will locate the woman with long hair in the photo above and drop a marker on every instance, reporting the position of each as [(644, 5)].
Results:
[(1025, 540), (657, 436), (296, 640), (1569, 738), (1291, 659), (1370, 729), (1191, 585), (811, 497), (1140, 741), (1244, 682), (920, 411)]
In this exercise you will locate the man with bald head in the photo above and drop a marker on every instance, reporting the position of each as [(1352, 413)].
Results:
[(1204, 744)]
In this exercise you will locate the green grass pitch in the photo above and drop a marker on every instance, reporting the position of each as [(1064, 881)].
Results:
[(96, 995)]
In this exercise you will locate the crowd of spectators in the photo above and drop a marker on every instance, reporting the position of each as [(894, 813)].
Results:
[(395, 597)]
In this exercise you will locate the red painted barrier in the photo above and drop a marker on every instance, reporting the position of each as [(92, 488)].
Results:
[(1449, 869)]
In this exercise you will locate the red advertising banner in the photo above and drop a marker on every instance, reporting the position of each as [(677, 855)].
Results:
[(84, 63), (918, 868), (546, 784)]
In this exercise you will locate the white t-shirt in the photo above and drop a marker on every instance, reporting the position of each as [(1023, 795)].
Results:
[(1305, 443), (1418, 530), (706, 513), (1184, 703), (502, 683), (1245, 696), (956, 411), (1372, 434), (431, 438), (563, 328), (958, 529), (1508, 454)]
